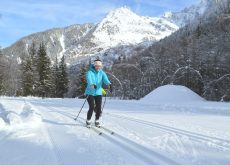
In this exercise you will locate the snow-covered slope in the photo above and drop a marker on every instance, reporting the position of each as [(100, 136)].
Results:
[(190, 133)]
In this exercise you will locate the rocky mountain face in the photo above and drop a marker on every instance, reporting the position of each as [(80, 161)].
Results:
[(76, 42)]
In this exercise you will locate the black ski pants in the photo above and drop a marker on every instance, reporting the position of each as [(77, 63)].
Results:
[(98, 100)]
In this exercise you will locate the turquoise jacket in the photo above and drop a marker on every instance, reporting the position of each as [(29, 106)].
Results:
[(96, 78)]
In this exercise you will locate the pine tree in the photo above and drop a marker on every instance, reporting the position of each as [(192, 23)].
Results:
[(1, 72), (55, 76), (44, 72), (62, 84), (29, 72), (34, 59), (81, 81), (27, 77)]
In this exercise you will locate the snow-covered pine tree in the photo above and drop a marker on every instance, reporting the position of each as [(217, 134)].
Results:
[(55, 73), (62, 83), (34, 59), (27, 77), (1, 72), (44, 72), (29, 72)]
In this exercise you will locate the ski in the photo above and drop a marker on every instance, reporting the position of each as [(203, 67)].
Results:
[(95, 130), (108, 130)]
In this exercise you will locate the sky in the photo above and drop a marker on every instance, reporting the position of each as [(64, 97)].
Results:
[(19, 18)]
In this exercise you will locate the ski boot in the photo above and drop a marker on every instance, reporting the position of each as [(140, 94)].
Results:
[(97, 123), (88, 123)]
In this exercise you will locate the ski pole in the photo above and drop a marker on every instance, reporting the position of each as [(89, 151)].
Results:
[(104, 102), (81, 108)]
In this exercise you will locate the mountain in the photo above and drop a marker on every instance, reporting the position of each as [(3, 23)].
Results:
[(196, 57), (122, 26), (119, 27), (193, 13)]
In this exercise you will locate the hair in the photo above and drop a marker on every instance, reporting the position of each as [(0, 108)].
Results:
[(97, 60)]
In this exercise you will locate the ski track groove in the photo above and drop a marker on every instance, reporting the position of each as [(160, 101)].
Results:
[(128, 145), (132, 147), (194, 136), (57, 148)]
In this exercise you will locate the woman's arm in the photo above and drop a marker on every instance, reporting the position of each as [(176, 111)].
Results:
[(89, 78), (105, 78)]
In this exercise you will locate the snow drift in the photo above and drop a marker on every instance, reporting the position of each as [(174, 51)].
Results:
[(172, 93), (23, 114)]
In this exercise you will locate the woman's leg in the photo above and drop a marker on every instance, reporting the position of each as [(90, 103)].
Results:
[(98, 101), (90, 101)]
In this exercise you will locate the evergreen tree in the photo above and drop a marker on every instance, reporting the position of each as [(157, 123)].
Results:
[(34, 60), (62, 83), (29, 72), (1, 72), (44, 72), (81, 81), (27, 77), (55, 76)]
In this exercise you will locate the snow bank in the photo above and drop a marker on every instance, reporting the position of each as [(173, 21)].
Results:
[(29, 114), (2, 123), (25, 114), (2, 115), (13, 118), (172, 93)]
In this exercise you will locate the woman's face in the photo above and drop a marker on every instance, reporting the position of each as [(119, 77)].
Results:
[(97, 67)]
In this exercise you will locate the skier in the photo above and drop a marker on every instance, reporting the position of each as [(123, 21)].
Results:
[(95, 76)]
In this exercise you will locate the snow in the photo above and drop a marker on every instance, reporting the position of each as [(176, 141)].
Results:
[(168, 14), (172, 93), (19, 61), (123, 27), (159, 129), (189, 14), (24, 114), (62, 42)]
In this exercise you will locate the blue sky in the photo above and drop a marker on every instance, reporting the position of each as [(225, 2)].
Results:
[(19, 18)]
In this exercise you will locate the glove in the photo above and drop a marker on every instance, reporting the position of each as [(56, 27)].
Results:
[(110, 88)]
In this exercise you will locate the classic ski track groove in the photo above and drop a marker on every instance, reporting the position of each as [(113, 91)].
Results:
[(56, 147), (194, 136), (127, 144)]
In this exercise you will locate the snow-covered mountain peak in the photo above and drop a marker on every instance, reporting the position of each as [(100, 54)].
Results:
[(168, 14), (123, 26), (122, 12)]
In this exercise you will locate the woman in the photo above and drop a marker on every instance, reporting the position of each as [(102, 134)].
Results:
[(95, 76)]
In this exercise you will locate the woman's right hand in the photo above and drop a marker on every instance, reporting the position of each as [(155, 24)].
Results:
[(93, 86)]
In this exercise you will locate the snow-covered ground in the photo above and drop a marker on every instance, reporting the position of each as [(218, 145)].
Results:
[(171, 125)]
